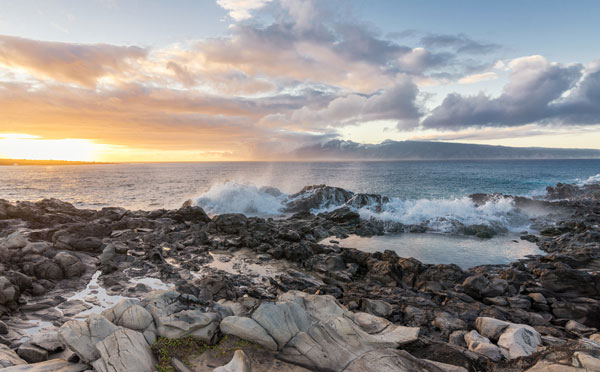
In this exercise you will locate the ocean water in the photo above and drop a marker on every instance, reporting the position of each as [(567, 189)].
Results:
[(421, 192)]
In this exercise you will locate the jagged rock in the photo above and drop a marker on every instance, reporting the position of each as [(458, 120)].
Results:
[(54, 365), (377, 307), (3, 328), (230, 223), (9, 358), (519, 340), (482, 345), (129, 314), (82, 336), (247, 329), (239, 363), (124, 350), (475, 285), (174, 318), (447, 323), (32, 353)]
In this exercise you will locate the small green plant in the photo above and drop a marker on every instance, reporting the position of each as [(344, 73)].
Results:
[(182, 348)]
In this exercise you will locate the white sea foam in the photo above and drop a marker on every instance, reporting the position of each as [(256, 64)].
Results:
[(442, 214), (438, 214), (592, 179), (233, 197)]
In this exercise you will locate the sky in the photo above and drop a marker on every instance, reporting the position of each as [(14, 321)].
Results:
[(203, 80)]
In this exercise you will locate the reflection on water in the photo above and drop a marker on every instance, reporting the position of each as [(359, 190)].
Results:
[(446, 249)]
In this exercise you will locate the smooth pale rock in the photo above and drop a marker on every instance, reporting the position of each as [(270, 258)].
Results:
[(587, 361), (543, 366), (377, 307), (391, 360), (180, 366), (9, 358), (282, 321), (129, 314), (70, 264), (15, 240), (490, 327), (194, 323), (81, 336), (8, 292), (539, 298), (473, 339), (248, 329), (239, 363), (48, 341), (54, 365), (519, 340), (595, 337), (32, 353), (124, 350), (489, 350)]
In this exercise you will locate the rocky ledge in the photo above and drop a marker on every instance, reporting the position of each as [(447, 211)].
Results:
[(77, 292)]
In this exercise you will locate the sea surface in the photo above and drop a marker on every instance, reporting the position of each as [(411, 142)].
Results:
[(433, 193)]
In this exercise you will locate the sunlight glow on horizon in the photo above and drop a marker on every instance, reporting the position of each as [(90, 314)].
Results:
[(24, 146)]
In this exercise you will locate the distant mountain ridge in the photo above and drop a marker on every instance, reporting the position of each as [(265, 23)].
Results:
[(426, 150)]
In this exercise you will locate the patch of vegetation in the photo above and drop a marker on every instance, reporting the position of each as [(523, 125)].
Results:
[(186, 348), (183, 348)]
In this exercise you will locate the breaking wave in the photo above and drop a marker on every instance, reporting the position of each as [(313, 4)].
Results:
[(441, 215)]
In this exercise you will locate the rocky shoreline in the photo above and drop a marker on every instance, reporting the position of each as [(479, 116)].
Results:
[(94, 290)]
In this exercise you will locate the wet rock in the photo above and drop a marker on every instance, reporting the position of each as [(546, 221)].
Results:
[(122, 351), (230, 223), (239, 363), (575, 282), (248, 329), (9, 358), (475, 285), (3, 328), (343, 214), (316, 197), (82, 336)]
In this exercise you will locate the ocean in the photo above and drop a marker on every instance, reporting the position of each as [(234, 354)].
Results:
[(433, 193)]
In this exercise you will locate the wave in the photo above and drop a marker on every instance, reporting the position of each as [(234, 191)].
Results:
[(590, 180), (438, 215), (233, 197)]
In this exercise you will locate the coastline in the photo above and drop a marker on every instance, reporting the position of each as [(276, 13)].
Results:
[(224, 274)]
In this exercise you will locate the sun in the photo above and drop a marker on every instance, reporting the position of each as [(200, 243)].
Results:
[(26, 146)]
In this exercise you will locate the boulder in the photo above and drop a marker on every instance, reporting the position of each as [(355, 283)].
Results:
[(124, 350), (71, 265), (490, 327), (49, 270), (3, 328), (130, 314), (230, 223), (447, 323), (579, 329), (481, 345), (239, 363), (8, 292), (377, 307), (475, 285), (32, 353), (519, 340), (247, 329), (82, 336), (48, 341), (15, 240), (9, 358)]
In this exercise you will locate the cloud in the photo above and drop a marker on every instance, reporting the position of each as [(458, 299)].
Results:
[(241, 10), (460, 43), (476, 78), (534, 86), (76, 63)]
